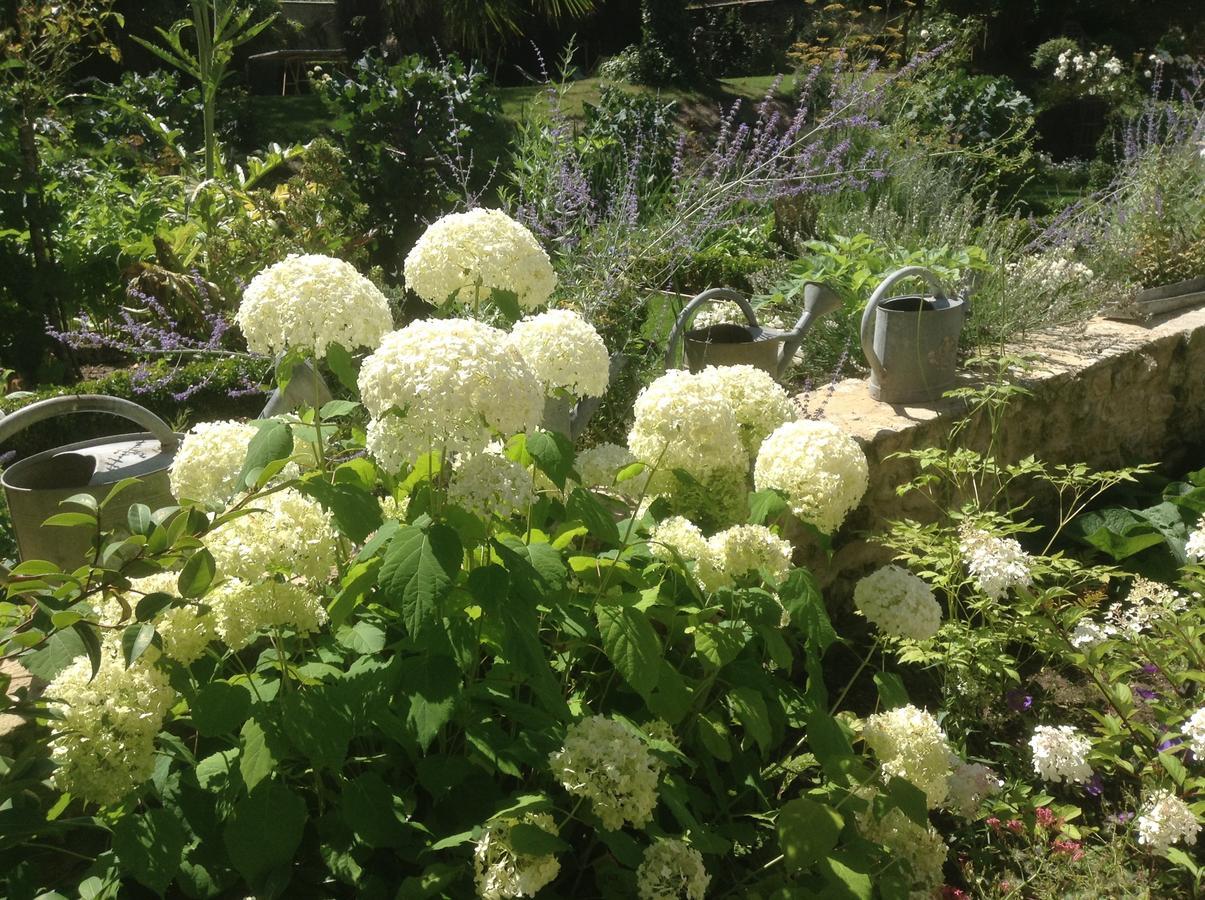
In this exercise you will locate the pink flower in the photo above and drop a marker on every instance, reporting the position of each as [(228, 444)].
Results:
[(1070, 848), (1014, 825), (1046, 818)]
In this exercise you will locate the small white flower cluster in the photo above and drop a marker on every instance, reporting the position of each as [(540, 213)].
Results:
[(242, 609), (682, 422), (996, 564), (599, 466), (679, 534), (607, 764), (1049, 274), (1097, 72), (921, 848), (970, 784), (822, 470), (759, 403), (1089, 633), (898, 603), (1146, 603), (564, 351), (910, 744), (1194, 730), (208, 461), (185, 631), (1164, 820), (491, 485), (483, 249), (740, 551), (289, 533), (445, 384), (501, 872), (309, 302), (725, 313), (671, 870), (104, 742), (1060, 753), (1195, 546)]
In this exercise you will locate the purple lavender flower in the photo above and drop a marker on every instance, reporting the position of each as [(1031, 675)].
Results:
[(1150, 668), (1145, 693)]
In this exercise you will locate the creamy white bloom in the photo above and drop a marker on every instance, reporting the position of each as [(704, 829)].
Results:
[(104, 742), (1060, 753), (821, 469), (564, 352), (726, 313), (1088, 633), (671, 870), (970, 784), (759, 403), (898, 603), (996, 564), (482, 247), (1195, 547), (1194, 730), (600, 465), (243, 609), (677, 534), (288, 533), (921, 848), (1164, 820), (309, 302), (1145, 603), (607, 764), (184, 631), (501, 872), (208, 461), (490, 485), (911, 745), (743, 550), (455, 383), (682, 422)]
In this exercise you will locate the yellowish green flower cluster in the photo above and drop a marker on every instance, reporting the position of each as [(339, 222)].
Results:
[(898, 603), (611, 767), (288, 533), (500, 871), (671, 870), (564, 352), (821, 469), (910, 744)]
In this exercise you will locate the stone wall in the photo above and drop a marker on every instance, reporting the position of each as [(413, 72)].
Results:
[(1110, 394)]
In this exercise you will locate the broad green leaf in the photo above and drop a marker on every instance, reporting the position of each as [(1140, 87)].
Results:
[(149, 847), (801, 596), (586, 508), (71, 520), (273, 441), (356, 511), (341, 364), (264, 831), (256, 758), (334, 409), (908, 799), (842, 882), (91, 642), (433, 685), (151, 605), (60, 649), (553, 454), (713, 734), (891, 690), (720, 642), (138, 517), (532, 840), (135, 640), (807, 832), (418, 571), (749, 709), (765, 506), (371, 810), (220, 708), (197, 574), (631, 644)]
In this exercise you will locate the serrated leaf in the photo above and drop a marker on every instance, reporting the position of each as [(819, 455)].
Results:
[(807, 832), (149, 847), (765, 506), (433, 685), (800, 595), (631, 644), (553, 454), (357, 512), (342, 366), (891, 690), (719, 643), (418, 571), (749, 709), (220, 708), (584, 507), (335, 409), (264, 831)]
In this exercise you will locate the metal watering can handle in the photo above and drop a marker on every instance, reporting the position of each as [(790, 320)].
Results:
[(85, 403), (688, 313), (877, 297)]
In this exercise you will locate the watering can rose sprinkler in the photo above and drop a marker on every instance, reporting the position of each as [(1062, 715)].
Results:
[(911, 342), (768, 349)]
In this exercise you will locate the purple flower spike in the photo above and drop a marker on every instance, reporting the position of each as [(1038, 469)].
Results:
[(1171, 742), (1095, 786), (1150, 668), (1145, 693), (1017, 700)]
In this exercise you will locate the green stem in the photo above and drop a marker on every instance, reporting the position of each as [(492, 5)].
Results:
[(861, 668)]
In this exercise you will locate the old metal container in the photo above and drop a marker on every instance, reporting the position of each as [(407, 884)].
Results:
[(911, 342), (36, 485), (768, 349)]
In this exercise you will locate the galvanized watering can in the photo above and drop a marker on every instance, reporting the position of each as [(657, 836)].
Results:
[(35, 486), (768, 349), (911, 342)]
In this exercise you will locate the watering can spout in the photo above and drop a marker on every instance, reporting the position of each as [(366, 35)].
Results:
[(818, 300)]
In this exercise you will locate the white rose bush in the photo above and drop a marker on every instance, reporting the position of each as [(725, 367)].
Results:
[(412, 643)]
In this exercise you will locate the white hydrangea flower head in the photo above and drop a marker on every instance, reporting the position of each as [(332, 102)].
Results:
[(288, 533), (759, 403), (677, 534), (243, 609), (898, 603), (1060, 753), (481, 246), (491, 485), (185, 631), (208, 461), (683, 423), (744, 550), (393, 507), (922, 849), (599, 465), (1194, 730), (1145, 604), (104, 745), (309, 302), (671, 870), (501, 872), (456, 383), (725, 312), (820, 468), (564, 352), (1089, 633), (1164, 820), (996, 564), (910, 744), (607, 764), (970, 784), (1195, 546)]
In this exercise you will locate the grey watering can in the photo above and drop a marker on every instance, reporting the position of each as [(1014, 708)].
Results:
[(36, 485), (911, 342), (768, 349)]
